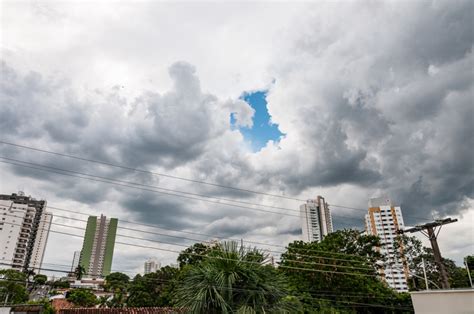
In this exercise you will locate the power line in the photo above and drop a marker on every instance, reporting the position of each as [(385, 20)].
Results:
[(149, 172), (135, 185), (208, 235), (204, 255), (114, 182), (252, 290), (182, 245), (131, 185), (227, 259), (147, 278), (365, 210), (187, 179)]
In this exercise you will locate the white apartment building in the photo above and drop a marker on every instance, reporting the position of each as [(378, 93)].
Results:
[(151, 265), (316, 220), (41, 240), (75, 260), (384, 219), (24, 230)]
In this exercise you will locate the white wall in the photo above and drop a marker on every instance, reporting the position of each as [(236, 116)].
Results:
[(454, 301)]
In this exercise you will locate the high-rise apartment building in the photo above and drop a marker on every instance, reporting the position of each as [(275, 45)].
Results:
[(98, 246), (384, 219), (151, 265), (316, 219), (24, 230), (75, 260)]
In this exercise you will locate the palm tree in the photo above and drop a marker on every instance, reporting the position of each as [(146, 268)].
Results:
[(229, 279), (79, 271), (103, 301)]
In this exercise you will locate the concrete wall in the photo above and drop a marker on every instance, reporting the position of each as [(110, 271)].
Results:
[(456, 301)]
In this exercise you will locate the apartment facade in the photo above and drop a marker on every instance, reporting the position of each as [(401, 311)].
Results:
[(316, 220), (151, 265), (75, 260), (24, 231), (384, 219), (98, 246)]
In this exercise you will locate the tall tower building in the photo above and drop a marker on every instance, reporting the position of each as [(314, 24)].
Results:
[(24, 230), (98, 247), (384, 219), (316, 219), (151, 266), (75, 260)]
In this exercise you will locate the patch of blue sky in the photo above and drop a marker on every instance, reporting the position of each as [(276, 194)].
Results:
[(263, 130)]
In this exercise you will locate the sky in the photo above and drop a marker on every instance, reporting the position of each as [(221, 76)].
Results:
[(348, 100)]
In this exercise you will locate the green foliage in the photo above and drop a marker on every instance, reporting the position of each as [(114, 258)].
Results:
[(103, 301), (79, 272), (60, 284), (470, 262), (12, 286), (414, 253), (230, 279), (40, 279), (82, 297), (154, 289), (339, 283), (193, 254), (47, 307), (116, 281)]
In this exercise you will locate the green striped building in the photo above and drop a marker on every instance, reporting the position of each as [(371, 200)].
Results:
[(98, 247)]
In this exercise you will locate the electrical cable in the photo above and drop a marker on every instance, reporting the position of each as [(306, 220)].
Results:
[(181, 245), (176, 177), (150, 172)]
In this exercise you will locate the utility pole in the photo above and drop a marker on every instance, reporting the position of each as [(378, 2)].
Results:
[(424, 275), (431, 231), (468, 272)]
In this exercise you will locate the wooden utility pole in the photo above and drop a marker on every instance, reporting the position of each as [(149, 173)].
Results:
[(431, 231)]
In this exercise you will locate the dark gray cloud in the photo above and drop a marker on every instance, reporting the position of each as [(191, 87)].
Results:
[(383, 104), (374, 97)]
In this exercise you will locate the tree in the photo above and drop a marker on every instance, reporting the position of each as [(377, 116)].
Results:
[(154, 289), (232, 279), (60, 284), (82, 297), (470, 262), (47, 307), (340, 273), (40, 279), (12, 286), (103, 301), (414, 253), (193, 255), (79, 272), (116, 281)]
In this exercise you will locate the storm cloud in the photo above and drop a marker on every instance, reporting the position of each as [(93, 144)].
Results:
[(373, 98)]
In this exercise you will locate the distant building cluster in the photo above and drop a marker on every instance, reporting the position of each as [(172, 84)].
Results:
[(383, 219), (25, 226), (151, 266), (24, 230)]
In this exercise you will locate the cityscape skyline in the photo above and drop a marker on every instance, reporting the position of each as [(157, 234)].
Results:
[(203, 120), (384, 219)]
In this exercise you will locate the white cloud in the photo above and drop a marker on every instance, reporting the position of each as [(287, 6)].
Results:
[(373, 99)]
